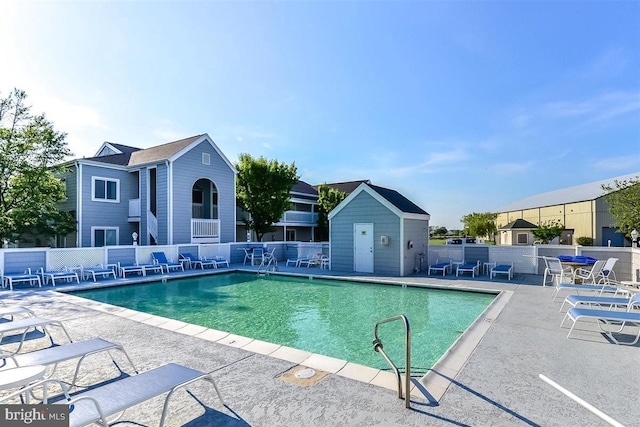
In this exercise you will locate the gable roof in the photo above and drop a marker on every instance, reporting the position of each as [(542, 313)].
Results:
[(391, 199), (346, 187), (161, 152), (518, 224), (578, 193), (302, 187)]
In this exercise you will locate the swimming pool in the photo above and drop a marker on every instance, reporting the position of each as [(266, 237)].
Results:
[(330, 317)]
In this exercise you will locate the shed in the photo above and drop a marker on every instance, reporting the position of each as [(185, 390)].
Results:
[(377, 230), (517, 232)]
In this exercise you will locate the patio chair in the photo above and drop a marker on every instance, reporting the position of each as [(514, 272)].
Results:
[(257, 256), (99, 403), (8, 279), (99, 270), (445, 267), (25, 325), (589, 275), (502, 269), (131, 268), (469, 267), (58, 274), (65, 352), (607, 271), (608, 317), (161, 259), (268, 257), (218, 261), (556, 271), (247, 255)]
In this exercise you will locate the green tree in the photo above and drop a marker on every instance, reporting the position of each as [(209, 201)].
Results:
[(624, 204), (263, 189), (547, 231), (328, 199), (480, 224), (31, 152)]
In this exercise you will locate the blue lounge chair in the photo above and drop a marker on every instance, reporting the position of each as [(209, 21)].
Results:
[(608, 317), (593, 289), (131, 268), (58, 274), (97, 271), (161, 259), (502, 269), (469, 267), (591, 300), (195, 262), (218, 261), (445, 267), (8, 279)]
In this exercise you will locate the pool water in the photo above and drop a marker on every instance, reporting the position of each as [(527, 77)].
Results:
[(330, 317)]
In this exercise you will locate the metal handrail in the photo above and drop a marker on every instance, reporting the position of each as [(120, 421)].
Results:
[(377, 346)]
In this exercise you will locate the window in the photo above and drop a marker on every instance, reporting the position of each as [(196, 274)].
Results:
[(523, 238), (291, 235), (105, 236), (105, 190), (206, 159)]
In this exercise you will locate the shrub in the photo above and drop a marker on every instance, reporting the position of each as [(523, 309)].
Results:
[(584, 241)]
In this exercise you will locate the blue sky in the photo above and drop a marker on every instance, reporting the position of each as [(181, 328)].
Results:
[(461, 106)]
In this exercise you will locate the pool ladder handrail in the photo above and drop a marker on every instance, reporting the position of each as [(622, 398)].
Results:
[(272, 259), (377, 346)]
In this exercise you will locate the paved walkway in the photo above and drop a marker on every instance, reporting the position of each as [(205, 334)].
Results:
[(498, 384)]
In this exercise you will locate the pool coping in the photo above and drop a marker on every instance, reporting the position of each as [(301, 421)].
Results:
[(432, 386)]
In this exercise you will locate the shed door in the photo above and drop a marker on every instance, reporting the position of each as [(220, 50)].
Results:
[(363, 248)]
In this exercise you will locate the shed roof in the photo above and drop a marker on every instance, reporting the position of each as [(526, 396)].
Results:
[(398, 200), (578, 193), (519, 224)]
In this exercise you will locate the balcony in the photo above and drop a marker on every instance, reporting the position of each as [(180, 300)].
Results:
[(299, 218), (205, 230)]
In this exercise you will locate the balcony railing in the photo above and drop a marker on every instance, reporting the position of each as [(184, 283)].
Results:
[(298, 217), (134, 210), (205, 228)]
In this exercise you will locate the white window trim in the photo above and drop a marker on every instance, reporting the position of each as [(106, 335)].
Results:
[(105, 200), (206, 159), (93, 234)]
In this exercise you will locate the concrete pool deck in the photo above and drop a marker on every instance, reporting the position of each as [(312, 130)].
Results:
[(497, 385)]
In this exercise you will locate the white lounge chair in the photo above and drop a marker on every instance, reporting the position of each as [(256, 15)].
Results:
[(98, 271), (502, 269), (131, 268), (469, 267), (594, 300), (99, 403), (8, 279), (161, 259), (63, 353), (598, 289), (13, 310), (58, 274), (195, 262), (620, 319), (25, 325), (445, 267)]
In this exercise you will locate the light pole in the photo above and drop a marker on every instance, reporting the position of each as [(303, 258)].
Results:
[(634, 238)]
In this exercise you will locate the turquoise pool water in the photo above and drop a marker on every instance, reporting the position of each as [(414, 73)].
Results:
[(329, 317)]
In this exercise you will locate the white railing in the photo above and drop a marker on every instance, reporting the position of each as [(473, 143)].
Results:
[(152, 225), (201, 228), (134, 208), (300, 217)]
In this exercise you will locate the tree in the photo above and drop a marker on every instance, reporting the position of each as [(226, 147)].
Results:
[(480, 224), (547, 231), (328, 199), (440, 231), (624, 204), (31, 152), (263, 189)]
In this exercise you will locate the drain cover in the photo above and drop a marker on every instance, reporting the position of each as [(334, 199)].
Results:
[(302, 375), (305, 374)]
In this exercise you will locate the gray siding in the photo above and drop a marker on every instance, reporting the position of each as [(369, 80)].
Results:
[(18, 262), (417, 231), (162, 201), (186, 171), (143, 177), (106, 214), (124, 256), (365, 209), (71, 203)]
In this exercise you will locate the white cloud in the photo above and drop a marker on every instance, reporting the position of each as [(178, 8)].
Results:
[(619, 163), (512, 168)]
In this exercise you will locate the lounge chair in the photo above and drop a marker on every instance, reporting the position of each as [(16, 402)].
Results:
[(557, 272), (99, 403), (502, 269), (469, 267), (594, 300), (16, 309), (58, 274), (607, 271), (63, 353), (218, 261), (195, 262), (589, 275), (608, 317), (8, 279), (97, 271), (131, 268), (24, 325), (161, 259), (445, 267), (592, 289)]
